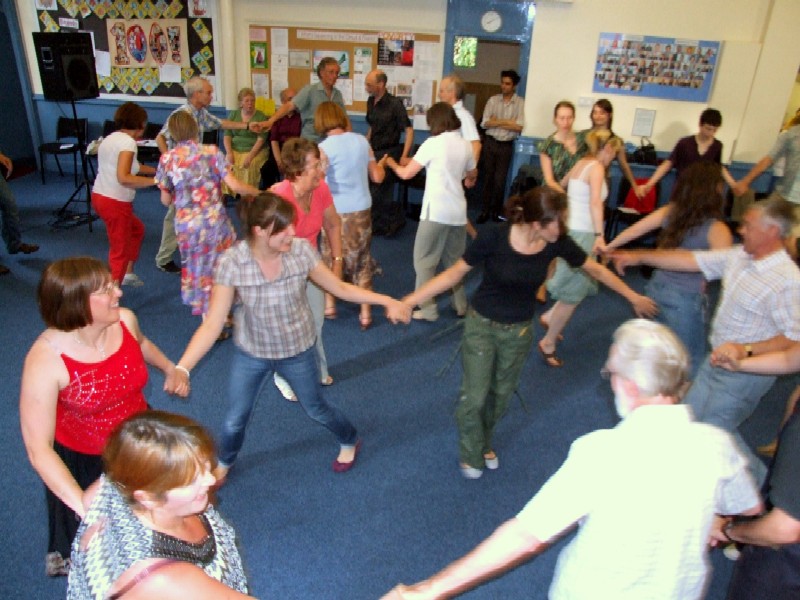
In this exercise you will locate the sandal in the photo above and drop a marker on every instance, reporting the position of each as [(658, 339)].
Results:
[(550, 358), (330, 312), (365, 322), (545, 325)]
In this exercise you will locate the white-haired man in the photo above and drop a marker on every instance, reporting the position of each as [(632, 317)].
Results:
[(644, 494)]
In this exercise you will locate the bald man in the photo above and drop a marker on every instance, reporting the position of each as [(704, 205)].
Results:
[(388, 119)]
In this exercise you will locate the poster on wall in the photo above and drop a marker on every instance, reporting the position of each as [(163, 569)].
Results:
[(396, 49), (655, 67), (147, 42), (341, 56), (258, 55)]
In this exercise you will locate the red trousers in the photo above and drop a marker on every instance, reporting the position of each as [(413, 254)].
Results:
[(125, 233)]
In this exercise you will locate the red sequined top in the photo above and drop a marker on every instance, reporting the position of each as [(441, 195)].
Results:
[(99, 396)]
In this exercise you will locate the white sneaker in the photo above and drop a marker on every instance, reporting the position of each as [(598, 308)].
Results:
[(284, 388), (470, 472), (421, 315), (132, 280), (492, 463)]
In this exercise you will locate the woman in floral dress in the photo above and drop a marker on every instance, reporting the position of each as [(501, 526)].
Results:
[(191, 176)]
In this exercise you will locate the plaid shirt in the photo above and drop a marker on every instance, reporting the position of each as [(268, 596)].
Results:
[(273, 318), (759, 297), (205, 122)]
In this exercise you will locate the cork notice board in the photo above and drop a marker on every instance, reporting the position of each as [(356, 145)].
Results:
[(283, 57)]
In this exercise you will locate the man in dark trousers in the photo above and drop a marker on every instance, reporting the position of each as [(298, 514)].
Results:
[(503, 120), (388, 119)]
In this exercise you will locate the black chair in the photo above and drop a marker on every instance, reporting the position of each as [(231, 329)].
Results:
[(67, 130)]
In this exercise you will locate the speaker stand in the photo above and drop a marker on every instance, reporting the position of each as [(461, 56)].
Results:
[(66, 218)]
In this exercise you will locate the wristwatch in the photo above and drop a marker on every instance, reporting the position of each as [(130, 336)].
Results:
[(749, 349)]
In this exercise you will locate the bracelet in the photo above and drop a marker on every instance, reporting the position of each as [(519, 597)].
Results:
[(748, 348), (337, 258), (184, 369)]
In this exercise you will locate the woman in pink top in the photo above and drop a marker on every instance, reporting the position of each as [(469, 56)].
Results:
[(305, 188)]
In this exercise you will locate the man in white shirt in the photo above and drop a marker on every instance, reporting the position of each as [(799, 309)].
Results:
[(644, 494), (451, 90)]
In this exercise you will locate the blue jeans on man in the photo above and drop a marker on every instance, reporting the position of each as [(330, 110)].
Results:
[(727, 399)]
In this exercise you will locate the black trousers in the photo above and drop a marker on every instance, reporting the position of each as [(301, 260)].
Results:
[(387, 214), (495, 160)]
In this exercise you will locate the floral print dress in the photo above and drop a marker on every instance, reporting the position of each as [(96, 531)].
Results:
[(193, 174)]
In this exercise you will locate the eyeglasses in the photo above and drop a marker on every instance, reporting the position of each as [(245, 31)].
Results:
[(319, 165), (109, 289)]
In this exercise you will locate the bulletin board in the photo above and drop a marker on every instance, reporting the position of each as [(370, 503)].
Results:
[(141, 48), (283, 57)]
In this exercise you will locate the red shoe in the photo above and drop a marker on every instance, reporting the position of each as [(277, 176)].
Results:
[(344, 467)]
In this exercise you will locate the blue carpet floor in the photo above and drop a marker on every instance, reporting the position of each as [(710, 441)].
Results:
[(305, 532)]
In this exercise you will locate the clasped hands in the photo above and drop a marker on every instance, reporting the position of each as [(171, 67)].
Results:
[(176, 382)]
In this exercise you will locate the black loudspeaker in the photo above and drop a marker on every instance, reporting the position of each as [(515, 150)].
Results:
[(66, 66)]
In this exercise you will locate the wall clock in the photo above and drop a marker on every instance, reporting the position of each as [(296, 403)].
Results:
[(491, 21)]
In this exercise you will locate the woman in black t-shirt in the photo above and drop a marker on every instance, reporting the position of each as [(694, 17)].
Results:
[(498, 331)]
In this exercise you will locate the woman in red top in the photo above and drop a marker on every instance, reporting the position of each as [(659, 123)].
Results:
[(82, 377), (305, 188)]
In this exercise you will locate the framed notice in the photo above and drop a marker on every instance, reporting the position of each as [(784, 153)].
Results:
[(655, 67)]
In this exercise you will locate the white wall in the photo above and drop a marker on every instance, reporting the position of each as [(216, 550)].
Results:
[(754, 80), (760, 54)]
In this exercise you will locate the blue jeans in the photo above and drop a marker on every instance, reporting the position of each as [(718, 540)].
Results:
[(686, 314), (725, 399), (248, 374), (10, 215)]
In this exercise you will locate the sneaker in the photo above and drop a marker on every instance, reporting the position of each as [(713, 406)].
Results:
[(492, 463), (132, 280), (421, 315), (470, 472), (284, 388), (169, 267)]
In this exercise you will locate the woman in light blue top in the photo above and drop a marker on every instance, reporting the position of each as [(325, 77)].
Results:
[(350, 161)]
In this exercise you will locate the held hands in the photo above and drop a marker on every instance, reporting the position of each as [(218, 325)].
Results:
[(739, 188), (176, 382), (644, 306), (641, 190), (259, 126), (398, 312), (728, 355), (404, 160), (599, 246), (623, 259), (716, 537)]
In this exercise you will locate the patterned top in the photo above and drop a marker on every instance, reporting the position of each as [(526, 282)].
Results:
[(99, 396), (274, 318), (122, 540), (759, 297), (498, 108), (205, 122), (644, 506), (562, 160)]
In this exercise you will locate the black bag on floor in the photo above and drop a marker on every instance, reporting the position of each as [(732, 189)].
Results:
[(528, 177)]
